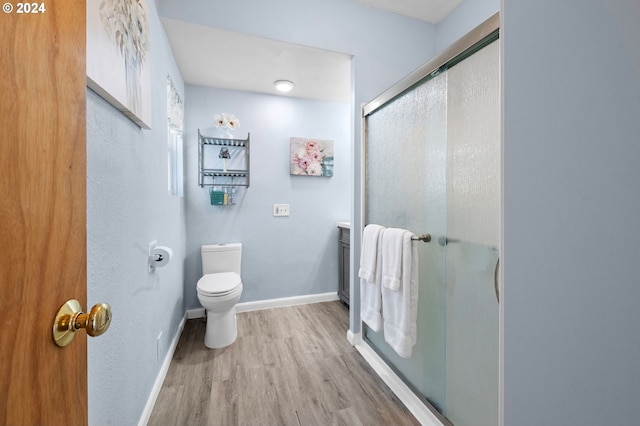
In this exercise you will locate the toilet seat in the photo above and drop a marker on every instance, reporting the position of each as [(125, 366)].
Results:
[(219, 284)]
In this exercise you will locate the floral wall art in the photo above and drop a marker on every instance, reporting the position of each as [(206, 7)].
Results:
[(118, 56), (311, 157)]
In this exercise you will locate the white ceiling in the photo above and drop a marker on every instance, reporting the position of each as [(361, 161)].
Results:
[(248, 63)]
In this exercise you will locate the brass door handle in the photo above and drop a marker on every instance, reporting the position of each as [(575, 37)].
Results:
[(70, 319)]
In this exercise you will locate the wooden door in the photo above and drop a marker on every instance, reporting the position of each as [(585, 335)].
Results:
[(42, 212)]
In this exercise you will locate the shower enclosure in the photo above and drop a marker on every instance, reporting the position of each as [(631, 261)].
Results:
[(432, 149)]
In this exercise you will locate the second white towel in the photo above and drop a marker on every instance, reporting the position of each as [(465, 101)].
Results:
[(392, 253), (400, 305)]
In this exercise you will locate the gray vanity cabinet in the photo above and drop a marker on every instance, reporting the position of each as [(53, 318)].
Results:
[(343, 263)]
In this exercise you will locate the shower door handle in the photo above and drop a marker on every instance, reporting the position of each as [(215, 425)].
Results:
[(495, 280)]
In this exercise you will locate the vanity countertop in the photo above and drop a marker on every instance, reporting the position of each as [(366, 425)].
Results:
[(343, 225)]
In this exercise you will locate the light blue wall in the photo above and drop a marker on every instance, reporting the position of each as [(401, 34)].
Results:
[(127, 207), (571, 88), (467, 16), (282, 256)]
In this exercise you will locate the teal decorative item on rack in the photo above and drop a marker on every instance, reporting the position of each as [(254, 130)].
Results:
[(222, 196), (217, 197)]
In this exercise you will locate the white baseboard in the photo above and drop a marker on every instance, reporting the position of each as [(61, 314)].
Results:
[(162, 374), (195, 313), (272, 303), (286, 301), (354, 338), (397, 386)]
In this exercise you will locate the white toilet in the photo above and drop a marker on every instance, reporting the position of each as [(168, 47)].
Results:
[(219, 290)]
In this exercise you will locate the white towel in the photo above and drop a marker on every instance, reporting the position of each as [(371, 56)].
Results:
[(400, 307), (370, 277), (391, 249), (368, 253)]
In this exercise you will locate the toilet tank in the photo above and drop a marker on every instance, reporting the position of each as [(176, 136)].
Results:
[(221, 258)]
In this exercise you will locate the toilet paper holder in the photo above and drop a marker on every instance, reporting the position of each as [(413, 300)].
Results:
[(159, 256)]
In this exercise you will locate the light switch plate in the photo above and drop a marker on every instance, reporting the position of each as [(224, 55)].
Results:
[(281, 209)]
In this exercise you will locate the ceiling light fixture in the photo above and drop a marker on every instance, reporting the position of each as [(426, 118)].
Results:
[(283, 85)]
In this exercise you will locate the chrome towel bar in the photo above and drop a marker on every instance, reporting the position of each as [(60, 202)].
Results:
[(424, 238)]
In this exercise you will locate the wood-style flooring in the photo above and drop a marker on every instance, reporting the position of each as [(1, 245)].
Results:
[(288, 366)]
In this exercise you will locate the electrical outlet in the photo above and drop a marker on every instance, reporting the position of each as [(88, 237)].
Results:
[(281, 209)]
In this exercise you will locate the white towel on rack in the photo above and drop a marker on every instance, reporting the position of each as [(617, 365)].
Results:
[(400, 306), (391, 248), (368, 254), (370, 277)]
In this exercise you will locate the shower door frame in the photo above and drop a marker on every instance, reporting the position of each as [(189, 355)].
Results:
[(476, 39), (463, 47)]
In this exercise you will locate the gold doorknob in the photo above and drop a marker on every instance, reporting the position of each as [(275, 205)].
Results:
[(70, 319)]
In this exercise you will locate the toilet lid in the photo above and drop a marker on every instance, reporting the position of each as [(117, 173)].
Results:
[(220, 283)]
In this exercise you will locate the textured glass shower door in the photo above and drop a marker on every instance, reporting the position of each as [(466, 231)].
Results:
[(406, 188), (432, 166), (473, 218)]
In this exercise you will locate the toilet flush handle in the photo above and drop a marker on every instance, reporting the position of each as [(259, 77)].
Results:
[(70, 319)]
